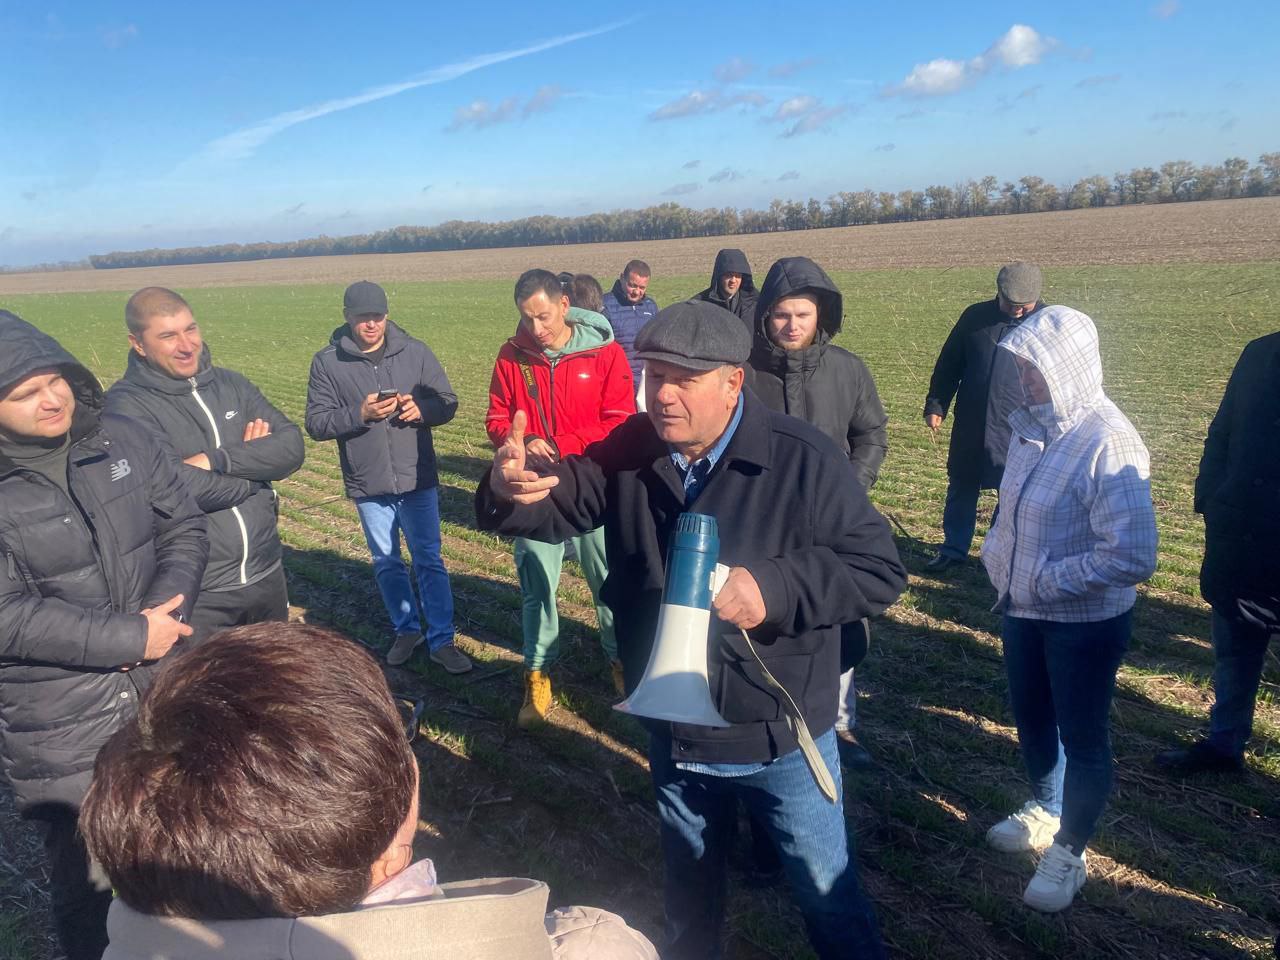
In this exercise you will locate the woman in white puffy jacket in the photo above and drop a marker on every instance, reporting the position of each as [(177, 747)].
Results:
[(1074, 534)]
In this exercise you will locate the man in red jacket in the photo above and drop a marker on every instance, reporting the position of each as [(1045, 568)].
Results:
[(565, 370)]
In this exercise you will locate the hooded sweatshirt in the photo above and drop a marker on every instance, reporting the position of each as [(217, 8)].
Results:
[(207, 414), (77, 564), (1076, 529), (387, 456), (583, 390), (821, 384), (743, 303)]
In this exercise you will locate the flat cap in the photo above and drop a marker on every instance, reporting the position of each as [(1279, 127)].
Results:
[(1020, 282), (364, 296), (695, 335)]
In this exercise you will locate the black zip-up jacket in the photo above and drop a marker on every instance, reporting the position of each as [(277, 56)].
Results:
[(75, 572), (743, 303), (207, 414), (787, 512), (984, 385), (387, 456), (822, 384), (1238, 491)]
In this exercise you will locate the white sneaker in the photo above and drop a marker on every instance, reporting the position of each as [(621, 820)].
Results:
[(1058, 878), (1031, 828)]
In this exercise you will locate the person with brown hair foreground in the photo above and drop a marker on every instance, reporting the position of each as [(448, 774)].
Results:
[(264, 802)]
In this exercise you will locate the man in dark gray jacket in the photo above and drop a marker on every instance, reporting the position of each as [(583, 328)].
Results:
[(233, 442), (378, 392), (101, 549)]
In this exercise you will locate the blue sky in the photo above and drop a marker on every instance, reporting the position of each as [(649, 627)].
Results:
[(162, 124)]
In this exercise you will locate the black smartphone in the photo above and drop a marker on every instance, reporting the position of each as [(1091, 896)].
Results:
[(387, 394)]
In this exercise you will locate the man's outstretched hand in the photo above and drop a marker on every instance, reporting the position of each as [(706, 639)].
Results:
[(509, 479)]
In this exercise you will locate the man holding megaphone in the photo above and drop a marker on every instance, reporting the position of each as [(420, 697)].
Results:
[(805, 552)]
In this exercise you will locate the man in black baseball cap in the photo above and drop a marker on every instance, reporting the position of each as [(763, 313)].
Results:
[(805, 550)]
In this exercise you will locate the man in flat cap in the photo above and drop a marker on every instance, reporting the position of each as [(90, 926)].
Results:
[(806, 551), (985, 389), (378, 392)]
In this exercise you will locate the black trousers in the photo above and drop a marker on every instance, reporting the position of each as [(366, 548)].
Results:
[(80, 889), (265, 599)]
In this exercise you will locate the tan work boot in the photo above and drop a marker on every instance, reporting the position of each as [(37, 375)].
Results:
[(619, 684), (537, 700)]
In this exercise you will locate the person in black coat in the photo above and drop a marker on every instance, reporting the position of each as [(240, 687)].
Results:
[(799, 371), (101, 551), (984, 385), (1238, 493), (731, 286), (806, 550), (233, 442)]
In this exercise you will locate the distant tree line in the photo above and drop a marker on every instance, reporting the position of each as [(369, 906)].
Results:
[(48, 267), (1175, 181)]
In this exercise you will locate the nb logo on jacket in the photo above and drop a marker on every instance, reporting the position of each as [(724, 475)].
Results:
[(120, 469)]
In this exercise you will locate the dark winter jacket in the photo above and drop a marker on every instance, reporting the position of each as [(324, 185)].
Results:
[(787, 513), (627, 320), (207, 414), (743, 303), (1238, 491), (822, 384), (75, 572), (387, 456), (985, 388)]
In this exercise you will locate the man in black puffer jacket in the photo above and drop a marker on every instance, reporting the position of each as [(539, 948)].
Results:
[(1238, 494), (732, 286), (799, 371), (234, 443), (102, 548)]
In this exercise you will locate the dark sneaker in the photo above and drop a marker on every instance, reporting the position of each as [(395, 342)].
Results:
[(853, 755), (451, 658), (403, 648), (1200, 757), (942, 562)]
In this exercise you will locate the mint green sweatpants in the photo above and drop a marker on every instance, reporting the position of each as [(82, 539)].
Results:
[(538, 566)]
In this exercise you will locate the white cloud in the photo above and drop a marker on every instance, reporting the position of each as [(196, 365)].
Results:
[(789, 175), (805, 114), (691, 164), (478, 114), (815, 120), (706, 101), (244, 142), (680, 189), (795, 107), (117, 37), (731, 71), (727, 175), (792, 67), (1020, 46), (1166, 9), (543, 99)]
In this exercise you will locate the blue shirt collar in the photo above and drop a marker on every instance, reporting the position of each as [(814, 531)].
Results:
[(693, 478)]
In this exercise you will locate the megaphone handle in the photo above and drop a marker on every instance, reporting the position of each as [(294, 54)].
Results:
[(817, 766)]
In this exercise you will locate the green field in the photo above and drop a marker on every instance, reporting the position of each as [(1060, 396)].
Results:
[(1179, 869)]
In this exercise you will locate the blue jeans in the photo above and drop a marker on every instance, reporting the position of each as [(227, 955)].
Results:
[(418, 515), (1061, 678), (1239, 650), (959, 518), (696, 810)]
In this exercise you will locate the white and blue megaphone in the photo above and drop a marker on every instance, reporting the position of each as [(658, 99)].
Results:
[(674, 686)]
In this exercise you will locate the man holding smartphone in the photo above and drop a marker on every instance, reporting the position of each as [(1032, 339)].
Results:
[(378, 392)]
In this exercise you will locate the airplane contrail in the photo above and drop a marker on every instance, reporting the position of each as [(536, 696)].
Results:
[(243, 142)]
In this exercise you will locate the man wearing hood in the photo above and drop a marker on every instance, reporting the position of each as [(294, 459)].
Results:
[(985, 388), (799, 371), (732, 286), (628, 308), (233, 443), (1075, 534), (103, 550), (565, 370), (378, 392)]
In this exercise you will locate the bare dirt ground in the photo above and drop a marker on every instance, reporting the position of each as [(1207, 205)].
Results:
[(1217, 231)]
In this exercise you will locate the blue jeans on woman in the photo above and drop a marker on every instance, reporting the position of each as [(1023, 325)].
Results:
[(417, 514), (1061, 680), (697, 804)]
